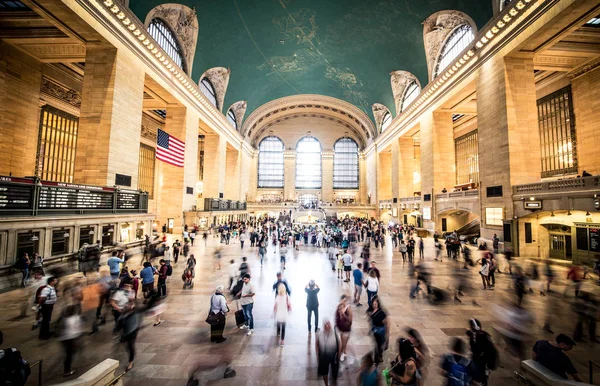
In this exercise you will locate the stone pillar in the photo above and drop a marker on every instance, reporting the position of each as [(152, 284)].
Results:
[(289, 174), (384, 176), (587, 116), (371, 178), (253, 178), (406, 167), (215, 154), (246, 167), (362, 180), (509, 143), (327, 177), (190, 170), (395, 169), (437, 157), (111, 115), (232, 181)]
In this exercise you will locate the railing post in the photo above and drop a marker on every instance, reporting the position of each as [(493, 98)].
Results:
[(40, 373), (591, 373)]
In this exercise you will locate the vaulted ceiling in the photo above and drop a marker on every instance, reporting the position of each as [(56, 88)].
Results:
[(340, 48)]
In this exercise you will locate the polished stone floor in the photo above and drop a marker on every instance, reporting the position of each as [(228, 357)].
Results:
[(169, 352)]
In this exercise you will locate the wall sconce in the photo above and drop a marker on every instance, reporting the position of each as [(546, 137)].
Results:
[(66, 235), (587, 213), (569, 212), (552, 214), (91, 233)]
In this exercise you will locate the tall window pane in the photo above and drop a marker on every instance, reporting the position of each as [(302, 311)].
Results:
[(459, 39), (558, 142), (231, 119), (56, 145), (308, 164), (467, 159), (411, 93), (162, 34), (208, 90), (146, 169), (386, 121), (345, 164), (270, 163)]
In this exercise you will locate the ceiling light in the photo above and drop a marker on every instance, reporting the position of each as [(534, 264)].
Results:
[(506, 18), (281, 41), (121, 16), (471, 53), (115, 9), (489, 34), (500, 24), (520, 5), (532, 198), (478, 44), (513, 12), (108, 3), (495, 30), (132, 27)]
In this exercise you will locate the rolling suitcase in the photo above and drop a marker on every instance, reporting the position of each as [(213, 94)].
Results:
[(240, 318)]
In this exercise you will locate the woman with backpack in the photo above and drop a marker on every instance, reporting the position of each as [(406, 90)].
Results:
[(379, 328), (404, 369), (343, 323)]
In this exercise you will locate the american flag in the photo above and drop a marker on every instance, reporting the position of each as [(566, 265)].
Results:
[(169, 149)]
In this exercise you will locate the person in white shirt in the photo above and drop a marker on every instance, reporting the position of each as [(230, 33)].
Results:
[(47, 301), (372, 285), (281, 310), (347, 258), (168, 254), (247, 302), (282, 253), (242, 239)]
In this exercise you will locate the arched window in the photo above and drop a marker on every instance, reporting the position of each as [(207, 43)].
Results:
[(308, 164), (164, 36), (231, 119), (410, 94), (270, 163), (345, 164), (504, 3), (386, 121), (208, 90), (458, 40)]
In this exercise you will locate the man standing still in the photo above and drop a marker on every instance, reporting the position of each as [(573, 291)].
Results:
[(247, 302), (347, 258), (358, 284), (312, 303), (162, 278), (47, 301)]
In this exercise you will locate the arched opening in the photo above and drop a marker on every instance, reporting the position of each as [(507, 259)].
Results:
[(410, 94), (270, 163), (457, 41), (386, 121), (345, 164), (308, 164), (231, 119), (208, 90), (166, 39)]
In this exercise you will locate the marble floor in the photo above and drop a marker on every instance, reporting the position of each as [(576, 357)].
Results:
[(166, 354)]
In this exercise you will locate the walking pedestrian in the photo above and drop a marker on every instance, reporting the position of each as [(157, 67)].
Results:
[(347, 259), (47, 300), (262, 251), (358, 284), (114, 264), (312, 303), (247, 302), (162, 278), (23, 265), (147, 274), (372, 285), (421, 248), (404, 369), (280, 311), (218, 308), (403, 249), (343, 323), (380, 326), (328, 351), (242, 239), (456, 367), (176, 250), (368, 375), (70, 328)]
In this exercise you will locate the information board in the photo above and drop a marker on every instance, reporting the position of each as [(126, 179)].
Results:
[(61, 198), (16, 196), (594, 239), (128, 200)]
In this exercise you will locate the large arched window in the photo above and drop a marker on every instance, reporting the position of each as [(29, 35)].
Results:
[(345, 164), (308, 164), (410, 94), (386, 121), (164, 36), (208, 90), (270, 163), (231, 119), (458, 40)]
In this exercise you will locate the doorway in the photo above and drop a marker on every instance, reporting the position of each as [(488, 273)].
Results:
[(308, 201), (561, 246)]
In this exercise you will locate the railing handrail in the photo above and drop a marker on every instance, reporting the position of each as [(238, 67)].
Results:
[(116, 379), (38, 363), (577, 183), (592, 364)]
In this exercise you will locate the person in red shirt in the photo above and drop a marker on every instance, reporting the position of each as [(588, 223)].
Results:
[(162, 278), (575, 274)]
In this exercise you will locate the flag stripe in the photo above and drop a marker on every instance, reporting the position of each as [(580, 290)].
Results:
[(169, 149)]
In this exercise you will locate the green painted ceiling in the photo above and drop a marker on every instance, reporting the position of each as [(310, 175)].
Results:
[(340, 48)]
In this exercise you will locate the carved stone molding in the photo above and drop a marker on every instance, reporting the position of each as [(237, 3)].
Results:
[(379, 112), (149, 133), (239, 110), (219, 77), (585, 68), (60, 92), (437, 28), (400, 80), (184, 23), (337, 108)]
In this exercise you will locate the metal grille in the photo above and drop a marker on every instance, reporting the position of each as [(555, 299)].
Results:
[(410, 94), (57, 144), (146, 169), (308, 164), (164, 36), (459, 39), (231, 119), (558, 143), (345, 164), (387, 120), (270, 163), (466, 149), (208, 90)]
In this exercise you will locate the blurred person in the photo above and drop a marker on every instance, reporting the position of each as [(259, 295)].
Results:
[(128, 326), (262, 251), (280, 281), (575, 274), (14, 370), (176, 250), (358, 284), (312, 303), (421, 349), (514, 324), (70, 328), (380, 326), (552, 356), (114, 264), (232, 271), (483, 352), (404, 370), (375, 269), (586, 308), (37, 262), (456, 367), (47, 300), (163, 273), (282, 252), (339, 265), (520, 283), (403, 249), (135, 283), (372, 285), (147, 274), (22, 264), (186, 249), (484, 272), (217, 259), (281, 309), (327, 348), (367, 374), (343, 323), (421, 246), (34, 286), (122, 300), (553, 308), (219, 310)]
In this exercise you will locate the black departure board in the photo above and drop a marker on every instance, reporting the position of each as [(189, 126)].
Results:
[(128, 200), (65, 198), (594, 239), (13, 196)]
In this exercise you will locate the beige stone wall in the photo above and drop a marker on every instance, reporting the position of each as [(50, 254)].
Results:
[(384, 175), (20, 81), (111, 115), (190, 171), (214, 165), (437, 152), (371, 177), (247, 172), (232, 172), (406, 167), (586, 102)]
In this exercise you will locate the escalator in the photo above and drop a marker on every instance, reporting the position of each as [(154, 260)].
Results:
[(470, 229)]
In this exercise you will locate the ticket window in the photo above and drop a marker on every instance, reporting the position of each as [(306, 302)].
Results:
[(139, 231), (27, 243), (107, 234), (86, 236), (60, 242)]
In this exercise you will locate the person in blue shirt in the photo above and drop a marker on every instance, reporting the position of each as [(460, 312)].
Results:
[(147, 274), (114, 264), (358, 284)]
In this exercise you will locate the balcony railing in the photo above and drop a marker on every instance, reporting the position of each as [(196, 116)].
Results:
[(557, 186), (34, 197), (216, 205), (462, 194)]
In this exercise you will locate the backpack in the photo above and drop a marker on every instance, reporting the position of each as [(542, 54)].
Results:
[(237, 288), (38, 293), (169, 270), (458, 374), (14, 370), (243, 269), (491, 354)]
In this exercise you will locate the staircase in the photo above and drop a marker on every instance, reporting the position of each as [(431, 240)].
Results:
[(469, 229)]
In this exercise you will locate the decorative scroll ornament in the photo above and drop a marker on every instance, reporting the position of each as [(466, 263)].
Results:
[(60, 92), (436, 29), (239, 110), (219, 77), (184, 23), (149, 133), (379, 112), (400, 81)]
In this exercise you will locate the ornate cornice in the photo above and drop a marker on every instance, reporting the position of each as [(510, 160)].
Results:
[(219, 77), (400, 80), (60, 92), (348, 114), (239, 110), (149, 133), (379, 112), (585, 68)]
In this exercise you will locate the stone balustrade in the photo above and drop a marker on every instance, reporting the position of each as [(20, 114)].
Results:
[(559, 186)]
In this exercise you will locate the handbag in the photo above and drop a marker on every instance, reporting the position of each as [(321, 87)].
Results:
[(212, 319)]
